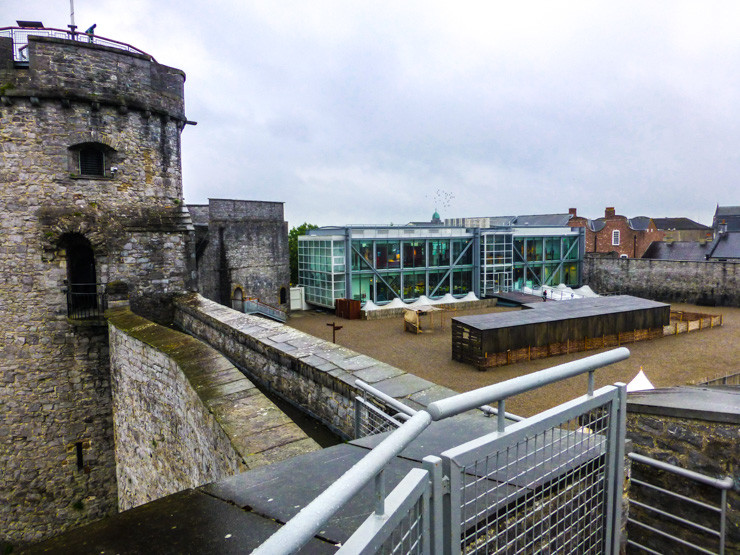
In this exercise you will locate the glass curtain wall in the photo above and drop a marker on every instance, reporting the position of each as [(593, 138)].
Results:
[(545, 261), (321, 267), (409, 268), (496, 258)]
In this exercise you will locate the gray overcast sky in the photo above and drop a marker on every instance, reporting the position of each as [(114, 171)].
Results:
[(380, 112)]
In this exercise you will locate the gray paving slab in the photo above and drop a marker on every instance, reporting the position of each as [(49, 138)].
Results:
[(358, 362), (280, 490), (434, 393), (377, 373), (403, 386), (186, 522)]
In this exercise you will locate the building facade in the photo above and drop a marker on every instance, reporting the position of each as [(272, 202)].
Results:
[(90, 206), (381, 263), (242, 252), (628, 237)]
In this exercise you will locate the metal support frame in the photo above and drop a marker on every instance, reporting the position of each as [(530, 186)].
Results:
[(302, 527), (377, 273)]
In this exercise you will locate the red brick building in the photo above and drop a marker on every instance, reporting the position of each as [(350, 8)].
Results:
[(615, 233)]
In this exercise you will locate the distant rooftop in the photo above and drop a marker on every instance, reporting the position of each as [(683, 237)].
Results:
[(678, 250), (679, 223)]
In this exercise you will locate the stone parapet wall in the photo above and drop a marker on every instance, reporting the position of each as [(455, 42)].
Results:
[(314, 374), (79, 71), (184, 415), (448, 307), (703, 283)]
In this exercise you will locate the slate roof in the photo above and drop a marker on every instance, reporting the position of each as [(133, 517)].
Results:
[(678, 250), (679, 223), (726, 246), (597, 224), (535, 220), (727, 211), (501, 220), (639, 223)]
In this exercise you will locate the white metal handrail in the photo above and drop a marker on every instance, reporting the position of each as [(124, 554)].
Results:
[(303, 526), (722, 484)]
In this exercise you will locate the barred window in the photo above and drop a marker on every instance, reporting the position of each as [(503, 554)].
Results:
[(92, 161)]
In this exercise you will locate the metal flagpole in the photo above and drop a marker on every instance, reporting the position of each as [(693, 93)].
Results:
[(72, 25)]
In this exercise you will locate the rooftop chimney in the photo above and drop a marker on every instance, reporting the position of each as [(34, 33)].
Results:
[(572, 212), (609, 212)]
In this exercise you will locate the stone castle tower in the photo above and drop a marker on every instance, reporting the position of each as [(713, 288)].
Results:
[(91, 207)]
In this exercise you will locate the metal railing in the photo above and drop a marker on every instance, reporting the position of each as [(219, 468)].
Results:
[(677, 529), (577, 467), (253, 306), (86, 300), (376, 412), (20, 40)]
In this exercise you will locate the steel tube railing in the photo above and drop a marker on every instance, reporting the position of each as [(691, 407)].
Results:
[(20, 39), (720, 483), (387, 399), (457, 404), (723, 484), (303, 526)]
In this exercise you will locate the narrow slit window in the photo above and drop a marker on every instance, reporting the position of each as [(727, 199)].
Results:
[(80, 461)]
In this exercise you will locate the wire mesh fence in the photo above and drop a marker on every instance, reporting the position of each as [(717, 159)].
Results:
[(404, 528), (373, 417), (543, 488)]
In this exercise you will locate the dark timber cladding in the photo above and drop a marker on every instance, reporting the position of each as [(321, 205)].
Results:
[(544, 329)]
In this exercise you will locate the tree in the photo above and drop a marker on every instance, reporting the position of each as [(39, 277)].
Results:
[(293, 235)]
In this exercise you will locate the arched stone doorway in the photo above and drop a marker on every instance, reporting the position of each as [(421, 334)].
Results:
[(237, 300)]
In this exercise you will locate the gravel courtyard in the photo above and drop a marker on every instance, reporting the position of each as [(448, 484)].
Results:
[(673, 360)]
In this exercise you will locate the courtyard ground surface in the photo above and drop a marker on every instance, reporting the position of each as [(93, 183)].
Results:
[(668, 361)]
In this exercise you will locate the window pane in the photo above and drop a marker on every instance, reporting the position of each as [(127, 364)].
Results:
[(414, 254), (364, 260), (414, 285), (439, 253)]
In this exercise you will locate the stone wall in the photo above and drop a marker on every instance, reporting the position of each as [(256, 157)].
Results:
[(54, 373), (54, 396), (243, 244), (703, 283), (316, 375), (184, 415)]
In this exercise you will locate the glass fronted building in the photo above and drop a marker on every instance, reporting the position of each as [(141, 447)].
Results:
[(382, 263)]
